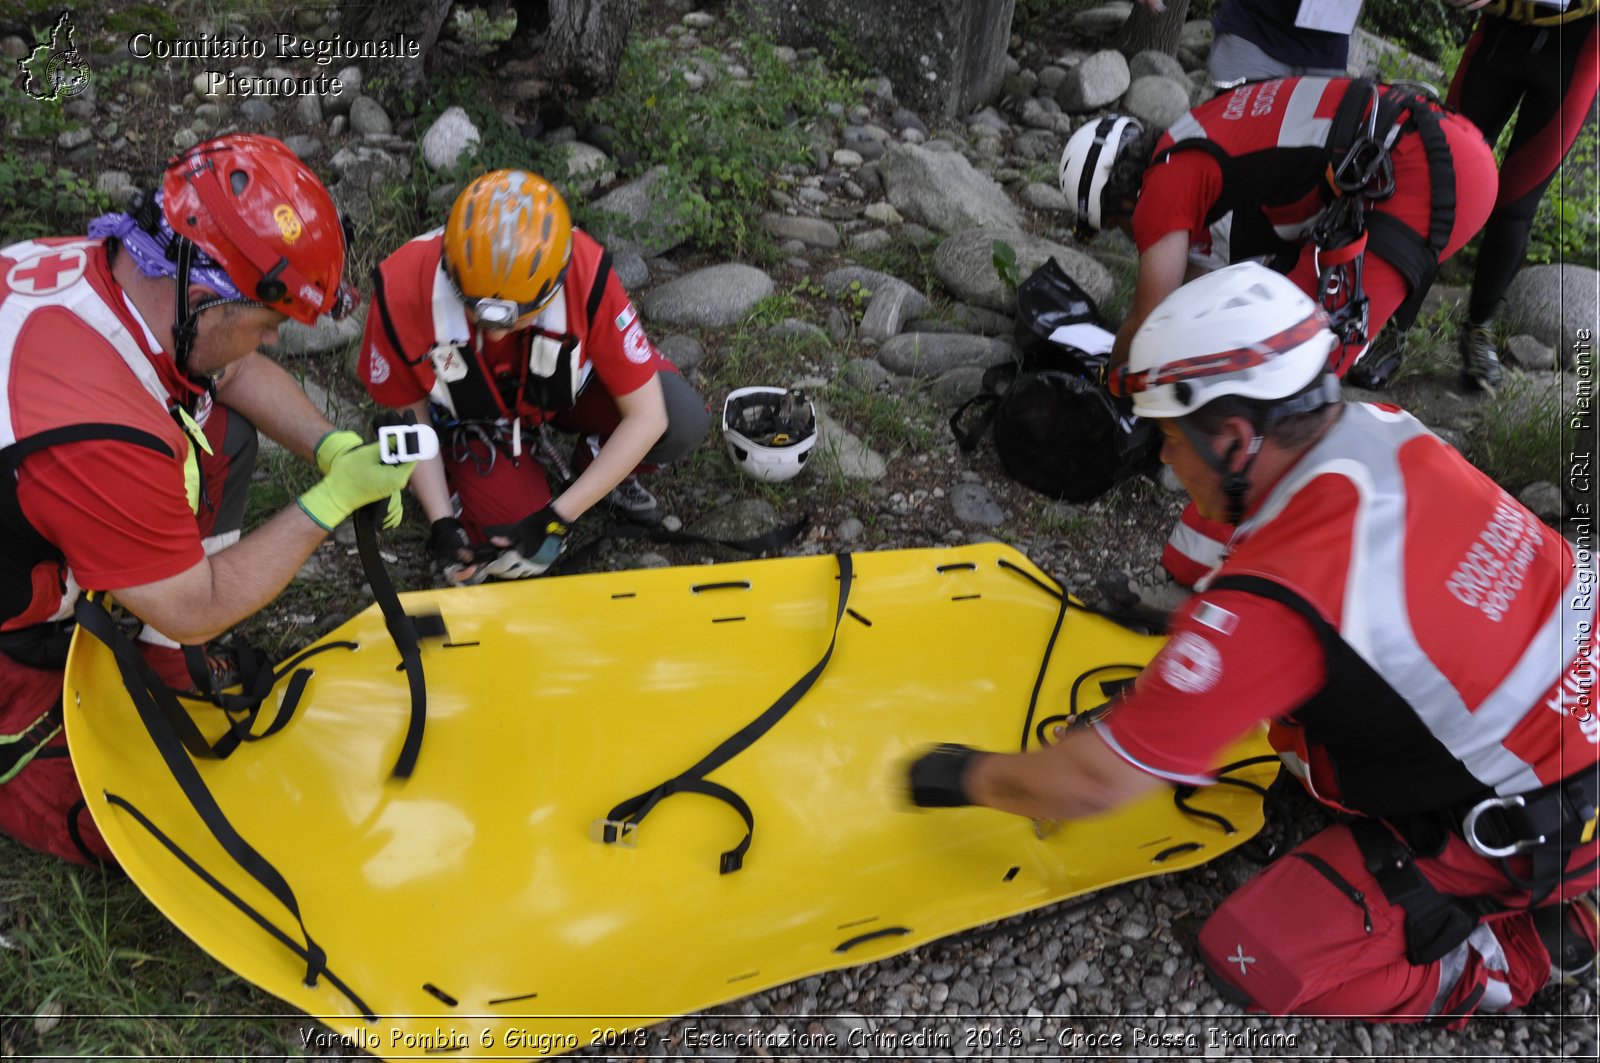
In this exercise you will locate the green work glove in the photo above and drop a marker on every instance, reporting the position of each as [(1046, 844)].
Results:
[(338, 442), (355, 478)]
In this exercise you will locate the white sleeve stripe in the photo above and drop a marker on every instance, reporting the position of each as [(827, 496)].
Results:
[(1187, 780)]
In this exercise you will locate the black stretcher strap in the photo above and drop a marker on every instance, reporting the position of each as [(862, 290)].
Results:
[(630, 813), (405, 629), (238, 902), (167, 724), (759, 544)]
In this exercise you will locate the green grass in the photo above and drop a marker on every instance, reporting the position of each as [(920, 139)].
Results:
[(90, 969)]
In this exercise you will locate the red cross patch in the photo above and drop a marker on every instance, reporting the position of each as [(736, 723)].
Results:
[(48, 272)]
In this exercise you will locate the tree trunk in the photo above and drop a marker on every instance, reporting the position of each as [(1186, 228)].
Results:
[(418, 20), (584, 44), (1147, 31)]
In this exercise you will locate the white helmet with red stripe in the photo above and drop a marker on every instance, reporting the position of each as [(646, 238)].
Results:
[(1243, 330)]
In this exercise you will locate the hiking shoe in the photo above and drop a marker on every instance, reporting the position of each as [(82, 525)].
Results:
[(1480, 362), (631, 501), (1569, 933), (1376, 369)]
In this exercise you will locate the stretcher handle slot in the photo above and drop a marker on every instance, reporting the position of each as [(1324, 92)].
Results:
[(886, 932), (727, 585)]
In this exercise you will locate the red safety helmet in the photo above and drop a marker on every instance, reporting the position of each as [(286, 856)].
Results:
[(252, 205)]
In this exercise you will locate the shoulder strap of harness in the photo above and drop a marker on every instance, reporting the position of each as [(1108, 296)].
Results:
[(381, 302), (597, 290)]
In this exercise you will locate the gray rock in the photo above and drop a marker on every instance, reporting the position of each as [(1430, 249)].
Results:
[(295, 339), (184, 139), (1044, 197), (714, 297), (1544, 501), (1094, 83), (631, 268), (963, 317), (958, 385), (838, 282), (451, 136), (74, 138), (1529, 353), (837, 325), (256, 112), (930, 354), (904, 118), (1150, 63), (865, 374), (1157, 101), (965, 263), (646, 213), (852, 457), (943, 191), (846, 159), (871, 240), (889, 309), (744, 519), (368, 116), (306, 147), (363, 175), (1553, 303), (349, 88), (112, 182), (794, 328), (1038, 145), (699, 20), (814, 232), (308, 110), (883, 213), (685, 352), (1101, 21), (14, 47), (973, 504), (587, 167), (849, 530)]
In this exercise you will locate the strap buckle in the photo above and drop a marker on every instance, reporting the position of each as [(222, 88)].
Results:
[(1469, 828), (621, 832)]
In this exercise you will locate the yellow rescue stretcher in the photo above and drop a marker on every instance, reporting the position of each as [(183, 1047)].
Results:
[(508, 899)]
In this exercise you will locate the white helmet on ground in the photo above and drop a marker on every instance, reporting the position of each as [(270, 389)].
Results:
[(1086, 164), (769, 431), (1243, 330)]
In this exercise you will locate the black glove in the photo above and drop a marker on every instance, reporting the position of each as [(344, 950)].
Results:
[(542, 537), (446, 541), (936, 777)]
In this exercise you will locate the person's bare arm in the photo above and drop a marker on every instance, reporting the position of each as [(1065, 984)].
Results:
[(428, 481), (1162, 268), (230, 585), (1078, 776), (644, 419), (275, 403)]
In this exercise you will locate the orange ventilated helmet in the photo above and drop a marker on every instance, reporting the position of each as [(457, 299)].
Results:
[(506, 245), (252, 205)]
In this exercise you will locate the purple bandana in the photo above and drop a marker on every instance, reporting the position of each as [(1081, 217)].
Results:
[(149, 251)]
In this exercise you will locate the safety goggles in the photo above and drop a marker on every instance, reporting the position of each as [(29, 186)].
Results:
[(493, 313)]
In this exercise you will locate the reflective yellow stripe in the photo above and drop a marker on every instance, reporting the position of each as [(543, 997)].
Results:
[(1531, 14), (1588, 830), (191, 459)]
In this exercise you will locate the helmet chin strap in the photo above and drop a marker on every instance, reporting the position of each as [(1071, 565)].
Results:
[(186, 320), (1235, 482)]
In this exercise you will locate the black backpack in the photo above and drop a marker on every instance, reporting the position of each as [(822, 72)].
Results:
[(1056, 429)]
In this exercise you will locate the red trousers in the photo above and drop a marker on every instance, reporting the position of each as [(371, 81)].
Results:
[(1291, 941), (42, 806)]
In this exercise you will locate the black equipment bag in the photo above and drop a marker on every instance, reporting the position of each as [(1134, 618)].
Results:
[(1056, 427)]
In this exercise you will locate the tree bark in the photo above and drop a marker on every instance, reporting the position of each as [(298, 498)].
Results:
[(418, 20), (584, 45), (1147, 31)]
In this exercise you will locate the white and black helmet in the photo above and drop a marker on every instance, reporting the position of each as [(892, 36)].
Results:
[(1086, 164), (769, 431)]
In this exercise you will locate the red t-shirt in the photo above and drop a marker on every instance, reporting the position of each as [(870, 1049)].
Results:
[(117, 511), (1233, 660), (616, 348)]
